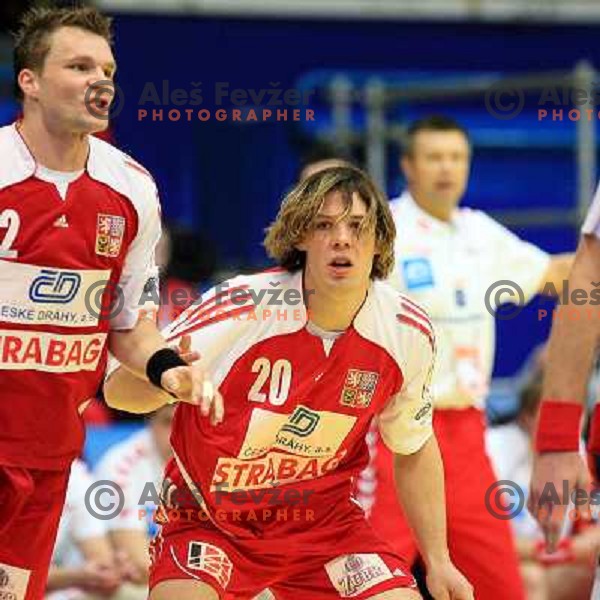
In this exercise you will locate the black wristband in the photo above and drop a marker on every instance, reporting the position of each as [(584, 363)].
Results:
[(162, 360)]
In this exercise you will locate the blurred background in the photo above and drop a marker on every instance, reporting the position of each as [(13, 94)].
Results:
[(357, 72)]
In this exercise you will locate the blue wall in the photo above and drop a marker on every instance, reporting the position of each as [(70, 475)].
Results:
[(227, 178)]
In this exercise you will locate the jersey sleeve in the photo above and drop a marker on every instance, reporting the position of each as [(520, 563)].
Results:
[(218, 325), (405, 423), (514, 259), (591, 225), (139, 278)]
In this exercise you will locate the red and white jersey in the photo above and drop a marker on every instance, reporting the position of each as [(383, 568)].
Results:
[(298, 405), (56, 257), (448, 268)]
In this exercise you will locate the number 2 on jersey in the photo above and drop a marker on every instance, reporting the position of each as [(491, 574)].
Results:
[(9, 220), (279, 376)]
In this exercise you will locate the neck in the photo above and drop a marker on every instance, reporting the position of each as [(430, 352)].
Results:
[(56, 150), (333, 310), (438, 210)]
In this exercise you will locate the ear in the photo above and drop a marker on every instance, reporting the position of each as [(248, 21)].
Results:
[(29, 84), (407, 167), (301, 245)]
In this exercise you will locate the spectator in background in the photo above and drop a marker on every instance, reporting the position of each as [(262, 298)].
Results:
[(84, 565), (137, 465), (568, 573), (322, 156), (186, 260)]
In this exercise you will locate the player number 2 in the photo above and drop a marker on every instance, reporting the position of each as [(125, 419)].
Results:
[(279, 376), (9, 219)]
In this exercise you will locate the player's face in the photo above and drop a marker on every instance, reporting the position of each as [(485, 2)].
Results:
[(338, 254), (438, 169), (160, 425), (77, 59)]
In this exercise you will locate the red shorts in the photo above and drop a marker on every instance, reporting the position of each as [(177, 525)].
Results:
[(481, 546), (340, 560), (32, 503)]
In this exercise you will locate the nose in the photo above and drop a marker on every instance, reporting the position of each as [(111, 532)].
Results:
[(98, 76), (342, 235)]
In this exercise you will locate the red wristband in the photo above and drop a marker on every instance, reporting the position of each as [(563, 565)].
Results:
[(559, 426)]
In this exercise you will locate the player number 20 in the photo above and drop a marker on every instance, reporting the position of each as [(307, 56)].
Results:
[(279, 376)]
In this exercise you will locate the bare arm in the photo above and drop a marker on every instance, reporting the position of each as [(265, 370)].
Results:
[(557, 273), (98, 574), (124, 390), (133, 544), (571, 350), (134, 347), (420, 486), (575, 331)]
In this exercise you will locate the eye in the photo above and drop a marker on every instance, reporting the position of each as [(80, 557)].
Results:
[(322, 225), (79, 67)]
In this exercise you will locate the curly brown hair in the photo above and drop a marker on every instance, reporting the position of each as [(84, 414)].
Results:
[(32, 40), (301, 205)]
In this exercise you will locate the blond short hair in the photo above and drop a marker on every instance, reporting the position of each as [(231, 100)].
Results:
[(302, 204)]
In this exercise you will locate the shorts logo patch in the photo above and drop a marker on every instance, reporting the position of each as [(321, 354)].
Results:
[(353, 574), (210, 559), (359, 388), (109, 235), (13, 582)]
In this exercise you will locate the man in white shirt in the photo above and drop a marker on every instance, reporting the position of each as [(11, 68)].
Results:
[(137, 466), (446, 259), (84, 565)]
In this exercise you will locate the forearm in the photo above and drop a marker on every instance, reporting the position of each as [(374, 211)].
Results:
[(558, 273), (60, 578), (420, 486), (134, 347), (575, 332), (133, 545), (125, 391)]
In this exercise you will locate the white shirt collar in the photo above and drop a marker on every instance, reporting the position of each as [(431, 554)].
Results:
[(432, 223)]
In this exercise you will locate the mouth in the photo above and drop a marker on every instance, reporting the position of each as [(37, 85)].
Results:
[(99, 103), (340, 266)]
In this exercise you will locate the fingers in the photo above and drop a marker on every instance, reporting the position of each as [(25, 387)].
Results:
[(551, 518), (185, 344), (171, 381), (190, 357), (206, 396), (218, 409), (190, 384), (465, 592)]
